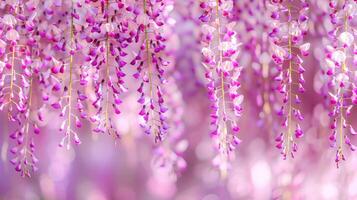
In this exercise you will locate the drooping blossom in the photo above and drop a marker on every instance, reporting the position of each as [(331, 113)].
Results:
[(219, 54), (340, 72), (13, 52), (66, 45), (150, 64), (19, 72), (287, 47), (107, 46)]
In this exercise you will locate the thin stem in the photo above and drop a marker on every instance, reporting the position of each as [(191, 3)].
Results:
[(107, 69), (149, 61), (344, 69), (12, 74), (12, 79), (29, 105), (266, 105), (223, 135), (290, 87), (70, 78), (148, 53), (27, 127)]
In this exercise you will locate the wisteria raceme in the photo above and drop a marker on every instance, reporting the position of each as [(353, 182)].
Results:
[(150, 67), (67, 44), (340, 65), (220, 51), (108, 37), (12, 77), (25, 159), (17, 82), (72, 71), (290, 26)]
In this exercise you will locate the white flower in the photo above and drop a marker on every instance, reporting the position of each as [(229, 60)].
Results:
[(339, 56), (351, 9), (279, 51), (12, 35), (212, 3), (207, 29), (330, 63), (2, 44), (342, 78), (9, 20), (224, 46), (329, 48), (236, 73), (226, 66), (233, 89), (305, 47), (346, 38), (231, 25), (295, 29), (143, 19), (207, 52), (227, 5), (107, 27), (239, 100), (2, 65), (333, 97)]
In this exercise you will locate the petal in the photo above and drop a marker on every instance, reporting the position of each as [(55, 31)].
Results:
[(12, 35), (346, 38), (339, 56), (305, 47)]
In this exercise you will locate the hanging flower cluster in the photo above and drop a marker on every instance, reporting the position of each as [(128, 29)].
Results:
[(150, 62), (18, 73), (66, 93), (220, 51), (67, 50), (340, 62), (290, 25), (106, 44), (79, 60)]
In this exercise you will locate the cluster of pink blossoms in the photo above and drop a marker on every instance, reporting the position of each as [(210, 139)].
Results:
[(77, 54), (289, 27), (220, 52), (150, 63), (340, 61), (76, 58), (19, 68), (107, 39)]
